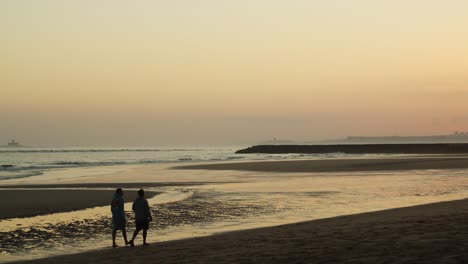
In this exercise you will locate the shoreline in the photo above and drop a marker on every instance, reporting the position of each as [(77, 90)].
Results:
[(338, 165), (431, 233)]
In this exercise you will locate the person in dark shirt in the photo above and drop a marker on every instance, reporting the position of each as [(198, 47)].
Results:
[(118, 216), (142, 216)]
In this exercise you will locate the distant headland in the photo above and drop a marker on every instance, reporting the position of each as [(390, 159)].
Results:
[(456, 137)]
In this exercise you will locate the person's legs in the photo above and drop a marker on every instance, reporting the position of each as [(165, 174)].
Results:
[(114, 233), (136, 233), (145, 231), (124, 234), (137, 230)]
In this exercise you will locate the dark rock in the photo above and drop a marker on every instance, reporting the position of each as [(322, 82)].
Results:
[(453, 148)]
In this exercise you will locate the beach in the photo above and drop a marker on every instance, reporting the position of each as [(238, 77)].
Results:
[(281, 211), (434, 233)]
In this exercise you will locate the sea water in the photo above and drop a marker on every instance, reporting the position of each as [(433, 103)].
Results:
[(29, 162)]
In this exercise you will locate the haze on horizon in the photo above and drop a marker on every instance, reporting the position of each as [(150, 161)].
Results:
[(188, 72)]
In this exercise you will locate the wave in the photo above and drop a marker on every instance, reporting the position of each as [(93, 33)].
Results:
[(64, 165), (75, 164), (7, 175), (84, 163), (98, 150), (234, 158)]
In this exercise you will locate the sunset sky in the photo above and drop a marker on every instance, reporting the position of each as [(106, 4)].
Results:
[(197, 72)]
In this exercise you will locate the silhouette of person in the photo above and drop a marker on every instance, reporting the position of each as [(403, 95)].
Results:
[(118, 216), (142, 216)]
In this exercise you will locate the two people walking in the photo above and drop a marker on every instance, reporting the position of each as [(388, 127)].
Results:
[(142, 217)]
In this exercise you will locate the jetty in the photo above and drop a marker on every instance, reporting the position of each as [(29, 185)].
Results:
[(437, 148)]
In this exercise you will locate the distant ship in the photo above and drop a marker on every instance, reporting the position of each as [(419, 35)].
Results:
[(13, 144)]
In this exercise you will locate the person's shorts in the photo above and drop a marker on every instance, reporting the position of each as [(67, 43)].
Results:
[(142, 224), (119, 223)]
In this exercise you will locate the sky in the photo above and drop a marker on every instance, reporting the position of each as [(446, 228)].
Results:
[(224, 72)]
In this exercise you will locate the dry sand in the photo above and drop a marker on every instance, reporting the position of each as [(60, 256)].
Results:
[(434, 233), (23, 203), (340, 165)]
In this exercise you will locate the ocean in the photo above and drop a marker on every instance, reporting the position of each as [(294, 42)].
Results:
[(29, 162)]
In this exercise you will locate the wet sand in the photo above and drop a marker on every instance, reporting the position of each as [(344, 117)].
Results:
[(25, 203), (340, 165), (433, 233)]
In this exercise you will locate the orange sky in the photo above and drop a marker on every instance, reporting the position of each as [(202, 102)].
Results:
[(214, 71)]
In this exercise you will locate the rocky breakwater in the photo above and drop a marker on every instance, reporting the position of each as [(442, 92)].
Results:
[(452, 148)]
